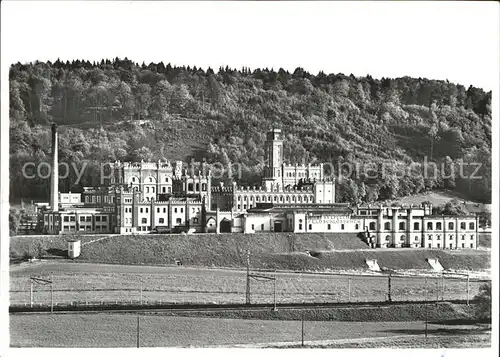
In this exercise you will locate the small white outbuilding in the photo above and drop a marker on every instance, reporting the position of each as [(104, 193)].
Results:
[(74, 247)]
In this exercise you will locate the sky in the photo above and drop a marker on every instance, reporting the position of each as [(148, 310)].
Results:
[(444, 40)]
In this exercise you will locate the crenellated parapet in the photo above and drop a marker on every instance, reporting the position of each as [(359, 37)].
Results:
[(222, 189)]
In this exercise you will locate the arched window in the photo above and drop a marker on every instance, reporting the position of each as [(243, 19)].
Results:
[(387, 226), (438, 226), (178, 221), (372, 226), (387, 238), (144, 221), (197, 187), (429, 226), (402, 237), (462, 225), (471, 225), (401, 225), (275, 198), (416, 226), (281, 198), (451, 225), (161, 220)]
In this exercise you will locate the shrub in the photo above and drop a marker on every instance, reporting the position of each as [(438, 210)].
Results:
[(483, 302)]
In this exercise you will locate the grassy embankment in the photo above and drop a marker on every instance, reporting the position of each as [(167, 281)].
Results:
[(268, 250)]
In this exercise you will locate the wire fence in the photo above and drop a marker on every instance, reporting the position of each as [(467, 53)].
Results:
[(232, 288)]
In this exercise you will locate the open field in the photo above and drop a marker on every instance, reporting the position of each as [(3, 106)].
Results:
[(268, 251), (119, 330), (93, 283)]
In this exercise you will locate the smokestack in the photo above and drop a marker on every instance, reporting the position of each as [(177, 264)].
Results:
[(54, 187)]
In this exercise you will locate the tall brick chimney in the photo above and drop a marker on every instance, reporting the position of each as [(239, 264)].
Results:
[(54, 184)]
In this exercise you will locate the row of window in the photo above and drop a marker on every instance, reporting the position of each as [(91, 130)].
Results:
[(161, 220), (281, 198), (328, 226), (196, 186), (301, 174), (438, 237), (146, 210), (451, 245), (99, 199), (83, 228), (416, 226)]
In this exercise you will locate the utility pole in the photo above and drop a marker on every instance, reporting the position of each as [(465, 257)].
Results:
[(248, 278)]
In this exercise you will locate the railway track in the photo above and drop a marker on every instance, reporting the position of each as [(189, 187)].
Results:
[(213, 307)]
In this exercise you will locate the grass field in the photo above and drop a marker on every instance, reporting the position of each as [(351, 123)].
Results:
[(119, 330), (268, 251), (93, 283)]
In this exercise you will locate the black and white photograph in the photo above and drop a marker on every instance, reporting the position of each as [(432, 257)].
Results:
[(258, 175)]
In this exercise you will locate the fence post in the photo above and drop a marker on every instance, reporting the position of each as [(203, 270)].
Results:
[(302, 328), (138, 329), (389, 297), (442, 286), (274, 291), (467, 288), (349, 288), (437, 289), (141, 293), (31, 293)]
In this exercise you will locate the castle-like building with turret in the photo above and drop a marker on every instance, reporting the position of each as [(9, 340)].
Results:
[(164, 197)]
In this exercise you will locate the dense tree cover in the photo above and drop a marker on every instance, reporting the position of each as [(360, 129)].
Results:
[(119, 110)]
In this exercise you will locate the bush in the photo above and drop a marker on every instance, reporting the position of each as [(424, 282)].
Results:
[(483, 302)]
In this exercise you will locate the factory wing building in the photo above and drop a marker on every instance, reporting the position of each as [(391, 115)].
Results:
[(165, 197)]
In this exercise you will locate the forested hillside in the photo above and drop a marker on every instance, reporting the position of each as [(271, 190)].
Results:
[(119, 110)]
